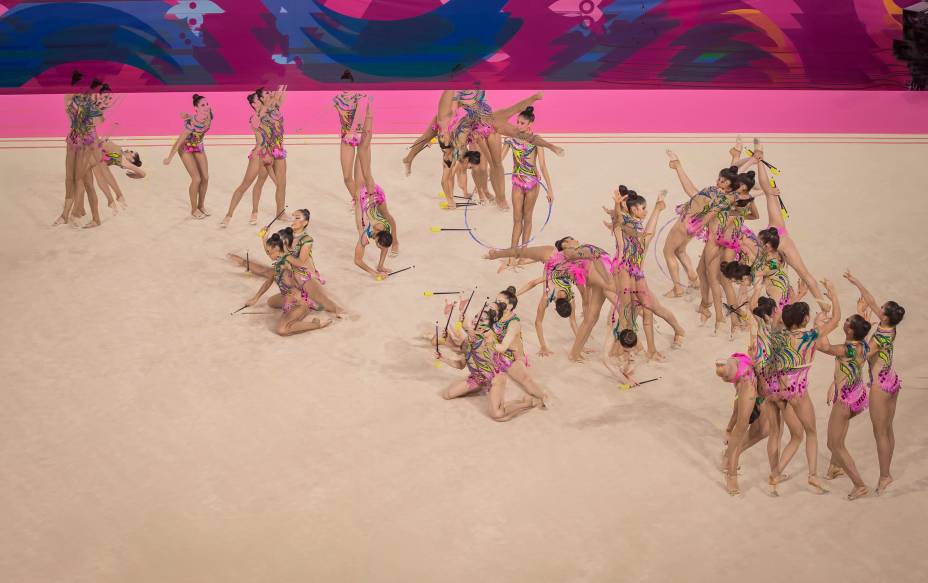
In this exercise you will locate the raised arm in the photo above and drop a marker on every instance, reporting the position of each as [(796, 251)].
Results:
[(651, 225), (688, 187), (835, 319), (865, 294)]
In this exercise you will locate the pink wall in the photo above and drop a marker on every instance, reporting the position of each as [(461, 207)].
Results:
[(561, 111)]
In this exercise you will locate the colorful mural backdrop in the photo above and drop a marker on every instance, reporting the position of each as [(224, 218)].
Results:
[(172, 45)]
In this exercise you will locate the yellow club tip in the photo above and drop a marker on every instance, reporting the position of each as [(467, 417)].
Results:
[(436, 229), (427, 293)]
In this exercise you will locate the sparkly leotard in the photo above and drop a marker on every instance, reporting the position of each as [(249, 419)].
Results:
[(478, 111), (82, 112), (370, 204), (632, 247), (196, 129), (346, 104), (853, 391), (795, 363), (260, 150), (478, 355), (287, 286), (694, 220), (524, 172), (302, 274), (272, 123), (885, 339), (503, 360), (731, 227)]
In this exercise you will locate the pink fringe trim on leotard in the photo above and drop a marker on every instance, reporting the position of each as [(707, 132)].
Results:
[(889, 381), (854, 397), (793, 383), (526, 183), (696, 228), (197, 149), (379, 196)]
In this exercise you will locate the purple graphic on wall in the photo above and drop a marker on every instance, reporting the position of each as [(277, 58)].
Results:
[(167, 45)]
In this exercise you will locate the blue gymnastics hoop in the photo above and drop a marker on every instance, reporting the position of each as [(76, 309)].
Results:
[(470, 230)]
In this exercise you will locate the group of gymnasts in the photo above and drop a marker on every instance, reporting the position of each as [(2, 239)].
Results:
[(741, 276)]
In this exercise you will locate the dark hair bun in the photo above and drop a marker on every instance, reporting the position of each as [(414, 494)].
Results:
[(750, 173), (511, 289), (530, 109)]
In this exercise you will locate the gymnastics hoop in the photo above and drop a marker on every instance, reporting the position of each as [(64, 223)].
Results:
[(470, 231)]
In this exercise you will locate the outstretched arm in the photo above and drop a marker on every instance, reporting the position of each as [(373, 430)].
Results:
[(868, 297), (540, 253), (261, 291), (530, 285), (183, 136), (688, 187), (827, 327)]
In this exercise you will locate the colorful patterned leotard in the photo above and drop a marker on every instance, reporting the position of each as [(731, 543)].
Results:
[(272, 123), (262, 132), (82, 113), (503, 360), (885, 339), (853, 391), (346, 104), (632, 246), (302, 274), (196, 129), (371, 207), (473, 102), (731, 225), (558, 276), (288, 288), (694, 216), (111, 158), (524, 172), (796, 363), (478, 355)]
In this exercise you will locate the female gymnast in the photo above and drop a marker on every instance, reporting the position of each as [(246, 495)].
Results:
[(510, 357), (850, 394), (112, 154), (558, 280), (296, 304), (85, 111), (527, 160), (632, 239), (693, 218), (189, 144), (259, 159), (738, 369), (479, 343), (794, 356), (786, 246), (354, 112), (886, 383), (374, 222), (475, 120)]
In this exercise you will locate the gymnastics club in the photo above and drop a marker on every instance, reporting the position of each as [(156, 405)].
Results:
[(383, 277), (480, 315), (238, 310), (774, 169), (435, 293), (247, 264), (263, 231), (626, 386), (733, 310), (451, 311), (440, 229), (467, 305)]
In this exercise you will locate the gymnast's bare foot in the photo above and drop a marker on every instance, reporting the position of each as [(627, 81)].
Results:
[(884, 483), (813, 481), (858, 492)]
